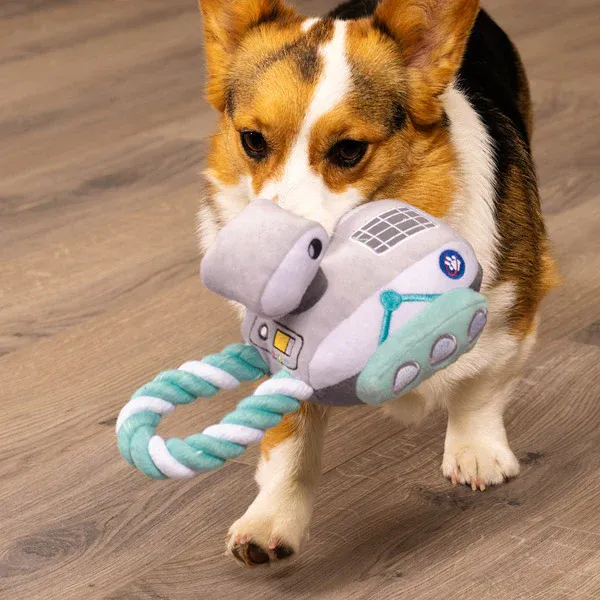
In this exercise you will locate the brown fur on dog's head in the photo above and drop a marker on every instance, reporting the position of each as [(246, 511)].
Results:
[(268, 77)]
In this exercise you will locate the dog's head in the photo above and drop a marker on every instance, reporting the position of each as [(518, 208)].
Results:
[(321, 115)]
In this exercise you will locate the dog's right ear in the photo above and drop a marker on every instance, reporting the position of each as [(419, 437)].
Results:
[(432, 36), (225, 24)]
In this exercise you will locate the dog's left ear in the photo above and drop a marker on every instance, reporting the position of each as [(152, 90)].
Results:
[(432, 36), (225, 24)]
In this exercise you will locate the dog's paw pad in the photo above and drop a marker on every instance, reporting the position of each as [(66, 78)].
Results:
[(259, 540), (252, 554)]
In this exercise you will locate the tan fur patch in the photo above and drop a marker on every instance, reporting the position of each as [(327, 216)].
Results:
[(225, 26), (291, 425)]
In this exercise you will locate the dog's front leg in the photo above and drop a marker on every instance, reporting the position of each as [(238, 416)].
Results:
[(277, 522), (476, 450)]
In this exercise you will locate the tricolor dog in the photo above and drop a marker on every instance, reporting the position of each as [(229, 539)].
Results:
[(423, 101)]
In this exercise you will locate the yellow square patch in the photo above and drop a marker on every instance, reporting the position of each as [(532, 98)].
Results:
[(281, 341)]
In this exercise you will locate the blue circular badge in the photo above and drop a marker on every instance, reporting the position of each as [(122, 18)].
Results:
[(452, 264)]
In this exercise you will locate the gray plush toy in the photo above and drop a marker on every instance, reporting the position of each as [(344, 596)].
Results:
[(361, 317)]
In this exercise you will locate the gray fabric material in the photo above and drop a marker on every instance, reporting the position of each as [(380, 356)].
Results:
[(287, 285), (405, 375), (276, 334), (358, 334), (330, 340), (390, 228), (256, 253), (334, 339), (341, 394), (443, 349), (476, 285), (477, 324), (316, 290)]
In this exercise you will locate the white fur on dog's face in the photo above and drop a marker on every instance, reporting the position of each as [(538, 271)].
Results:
[(299, 188)]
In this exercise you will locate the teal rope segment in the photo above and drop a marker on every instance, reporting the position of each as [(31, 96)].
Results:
[(177, 458), (194, 459), (128, 429), (243, 362), (167, 386)]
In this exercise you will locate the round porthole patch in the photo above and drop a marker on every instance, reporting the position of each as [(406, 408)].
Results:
[(263, 332), (452, 264)]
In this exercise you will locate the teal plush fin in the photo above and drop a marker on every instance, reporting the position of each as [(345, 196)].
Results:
[(430, 341)]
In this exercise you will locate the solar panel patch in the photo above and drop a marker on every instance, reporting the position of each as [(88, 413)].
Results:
[(391, 227)]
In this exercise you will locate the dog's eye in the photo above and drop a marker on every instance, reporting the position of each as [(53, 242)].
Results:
[(254, 144), (348, 153)]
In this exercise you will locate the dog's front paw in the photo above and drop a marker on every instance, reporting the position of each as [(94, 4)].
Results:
[(256, 540), (479, 465), (272, 529)]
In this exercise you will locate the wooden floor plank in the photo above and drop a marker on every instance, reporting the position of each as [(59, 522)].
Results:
[(103, 134), (70, 215)]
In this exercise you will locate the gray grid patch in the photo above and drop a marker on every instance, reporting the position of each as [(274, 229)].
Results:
[(391, 227)]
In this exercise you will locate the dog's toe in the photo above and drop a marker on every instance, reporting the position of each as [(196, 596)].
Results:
[(252, 554), (256, 555), (249, 553), (480, 466), (282, 552)]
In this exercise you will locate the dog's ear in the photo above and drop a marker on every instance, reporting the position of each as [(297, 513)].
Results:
[(225, 23), (432, 36)]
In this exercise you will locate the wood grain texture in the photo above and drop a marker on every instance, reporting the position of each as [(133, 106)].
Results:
[(102, 138)]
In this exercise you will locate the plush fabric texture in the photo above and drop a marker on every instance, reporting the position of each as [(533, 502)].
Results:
[(386, 263), (430, 341), (265, 258)]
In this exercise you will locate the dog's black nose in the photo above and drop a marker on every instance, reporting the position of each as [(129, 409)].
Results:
[(315, 248)]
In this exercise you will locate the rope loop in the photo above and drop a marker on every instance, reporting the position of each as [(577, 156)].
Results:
[(182, 458)]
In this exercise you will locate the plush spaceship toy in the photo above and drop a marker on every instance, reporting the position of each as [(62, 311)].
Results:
[(362, 316)]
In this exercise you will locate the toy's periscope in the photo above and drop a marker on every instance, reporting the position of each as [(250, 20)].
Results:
[(363, 317)]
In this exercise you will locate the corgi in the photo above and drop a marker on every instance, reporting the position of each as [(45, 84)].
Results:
[(424, 101)]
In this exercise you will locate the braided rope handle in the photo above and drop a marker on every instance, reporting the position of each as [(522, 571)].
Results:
[(182, 458)]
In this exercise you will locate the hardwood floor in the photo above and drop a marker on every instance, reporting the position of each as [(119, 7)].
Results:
[(102, 140)]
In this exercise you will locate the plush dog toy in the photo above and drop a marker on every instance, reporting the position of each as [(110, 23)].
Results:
[(362, 317)]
